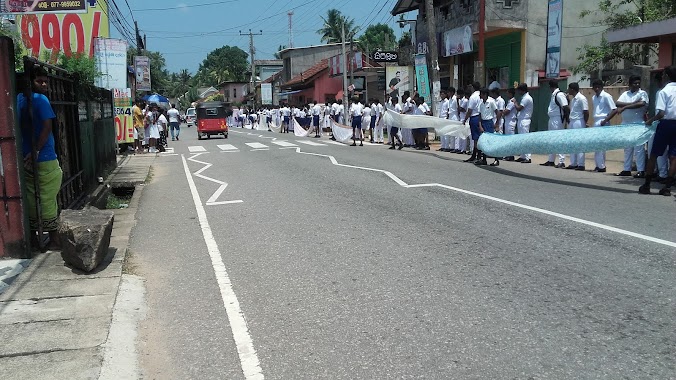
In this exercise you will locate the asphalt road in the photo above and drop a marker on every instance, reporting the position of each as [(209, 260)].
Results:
[(348, 272)]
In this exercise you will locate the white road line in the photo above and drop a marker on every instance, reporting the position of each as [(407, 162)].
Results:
[(284, 143), (335, 143), (256, 145), (311, 143), (169, 150), (168, 154), (198, 148), (240, 331), (227, 147), (503, 201)]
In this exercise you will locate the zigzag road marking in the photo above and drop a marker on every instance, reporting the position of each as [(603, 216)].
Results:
[(401, 183), (222, 185)]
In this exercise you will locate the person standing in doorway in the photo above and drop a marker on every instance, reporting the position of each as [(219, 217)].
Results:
[(633, 105), (558, 113), (604, 110), (39, 156)]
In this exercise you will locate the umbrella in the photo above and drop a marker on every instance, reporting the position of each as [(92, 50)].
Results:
[(156, 98)]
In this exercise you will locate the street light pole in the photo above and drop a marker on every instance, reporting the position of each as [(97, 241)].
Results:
[(434, 55)]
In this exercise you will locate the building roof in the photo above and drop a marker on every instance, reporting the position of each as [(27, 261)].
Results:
[(403, 6), (648, 32), (231, 82), (268, 62), (274, 77), (309, 73), (309, 47)]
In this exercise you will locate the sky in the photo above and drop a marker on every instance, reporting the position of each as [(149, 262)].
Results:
[(186, 31)]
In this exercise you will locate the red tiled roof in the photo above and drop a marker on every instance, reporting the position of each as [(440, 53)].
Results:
[(273, 77), (309, 73)]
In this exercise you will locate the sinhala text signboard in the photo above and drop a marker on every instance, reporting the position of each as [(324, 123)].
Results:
[(111, 60), (23, 7), (386, 56), (554, 32), (46, 35)]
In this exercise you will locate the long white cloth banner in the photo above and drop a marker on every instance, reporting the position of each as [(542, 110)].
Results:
[(441, 126), (274, 127), (298, 130), (582, 140), (341, 133)]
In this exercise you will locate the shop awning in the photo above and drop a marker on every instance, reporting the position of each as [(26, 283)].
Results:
[(649, 32), (404, 6)]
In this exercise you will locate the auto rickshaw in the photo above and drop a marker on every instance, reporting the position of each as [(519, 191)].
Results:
[(212, 119)]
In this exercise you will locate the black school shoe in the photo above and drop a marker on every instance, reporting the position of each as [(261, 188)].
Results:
[(599, 170), (623, 173), (571, 167), (548, 163), (639, 175)]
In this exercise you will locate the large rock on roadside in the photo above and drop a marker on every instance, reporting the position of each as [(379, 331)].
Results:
[(85, 237)]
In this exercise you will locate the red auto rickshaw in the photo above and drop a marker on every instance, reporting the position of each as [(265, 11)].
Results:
[(211, 119)]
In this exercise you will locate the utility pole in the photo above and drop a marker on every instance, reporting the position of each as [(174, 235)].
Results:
[(479, 74), (345, 105), (290, 14), (252, 51), (434, 55)]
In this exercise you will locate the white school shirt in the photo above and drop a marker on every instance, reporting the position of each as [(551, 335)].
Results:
[(398, 109), (419, 110), (463, 104), (453, 108), (173, 115), (578, 105), (666, 101), (367, 111), (500, 104), (603, 105), (426, 107), (527, 112), (161, 122), (316, 110), (286, 111), (444, 108), (634, 115), (511, 117), (487, 109), (474, 103), (357, 109), (554, 110), (381, 109), (341, 109), (373, 110)]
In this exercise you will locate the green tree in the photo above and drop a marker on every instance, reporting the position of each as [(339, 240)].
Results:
[(81, 65), (7, 31), (227, 63), (616, 15), (405, 40), (179, 83), (332, 30), (159, 76), (377, 36)]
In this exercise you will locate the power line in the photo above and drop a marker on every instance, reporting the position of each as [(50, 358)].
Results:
[(191, 6)]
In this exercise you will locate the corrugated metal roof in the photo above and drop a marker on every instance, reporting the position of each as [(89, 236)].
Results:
[(404, 6)]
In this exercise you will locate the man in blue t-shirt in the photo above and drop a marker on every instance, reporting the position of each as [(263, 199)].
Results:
[(40, 161)]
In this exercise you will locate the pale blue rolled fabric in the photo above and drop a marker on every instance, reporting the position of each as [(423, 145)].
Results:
[(583, 140)]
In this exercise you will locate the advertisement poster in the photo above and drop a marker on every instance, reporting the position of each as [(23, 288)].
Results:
[(397, 80), (554, 32), (266, 93), (111, 60), (124, 122), (142, 68), (458, 41), (45, 36), (23, 7), (422, 77)]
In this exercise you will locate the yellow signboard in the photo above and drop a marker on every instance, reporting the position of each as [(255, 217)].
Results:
[(44, 36)]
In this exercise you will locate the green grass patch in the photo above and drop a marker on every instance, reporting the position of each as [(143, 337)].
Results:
[(115, 201)]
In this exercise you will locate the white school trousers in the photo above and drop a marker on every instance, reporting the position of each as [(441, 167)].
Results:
[(379, 137), (634, 153), (599, 157), (576, 159), (524, 127), (662, 161), (555, 124)]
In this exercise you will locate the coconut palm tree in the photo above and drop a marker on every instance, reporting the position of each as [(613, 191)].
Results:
[(332, 30)]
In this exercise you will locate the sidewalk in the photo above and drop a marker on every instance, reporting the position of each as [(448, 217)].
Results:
[(55, 320)]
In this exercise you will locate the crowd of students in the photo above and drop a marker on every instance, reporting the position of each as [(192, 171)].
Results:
[(152, 125)]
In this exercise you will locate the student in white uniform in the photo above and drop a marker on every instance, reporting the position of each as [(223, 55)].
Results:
[(577, 119), (525, 108), (286, 118), (633, 105), (357, 112), (340, 112), (461, 144), (409, 108), (452, 115), (604, 110), (379, 138), (443, 114), (474, 117), (509, 117), (500, 103), (366, 120), (665, 135), (316, 116), (558, 113), (393, 132), (488, 111)]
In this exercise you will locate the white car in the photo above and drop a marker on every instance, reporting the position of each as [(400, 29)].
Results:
[(190, 116)]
